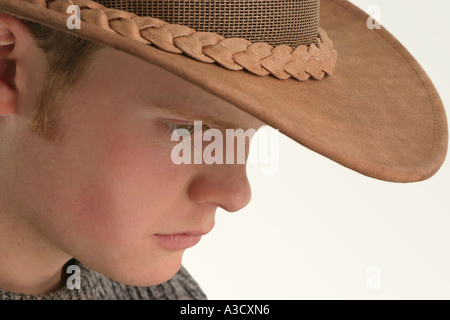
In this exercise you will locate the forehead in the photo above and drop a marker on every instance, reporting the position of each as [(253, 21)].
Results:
[(157, 89)]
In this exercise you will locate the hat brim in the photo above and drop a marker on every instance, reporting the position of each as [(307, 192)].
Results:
[(378, 114)]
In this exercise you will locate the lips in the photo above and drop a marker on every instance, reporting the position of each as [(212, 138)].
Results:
[(176, 242)]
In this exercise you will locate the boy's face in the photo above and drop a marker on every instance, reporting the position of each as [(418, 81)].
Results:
[(106, 191)]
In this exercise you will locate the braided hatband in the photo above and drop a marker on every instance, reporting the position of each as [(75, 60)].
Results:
[(259, 58)]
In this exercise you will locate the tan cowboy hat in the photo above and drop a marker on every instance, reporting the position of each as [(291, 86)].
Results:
[(349, 92)]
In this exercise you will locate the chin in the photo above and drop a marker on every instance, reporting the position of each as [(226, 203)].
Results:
[(145, 273), (158, 276)]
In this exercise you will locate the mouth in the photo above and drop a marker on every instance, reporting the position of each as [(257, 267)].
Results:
[(177, 241)]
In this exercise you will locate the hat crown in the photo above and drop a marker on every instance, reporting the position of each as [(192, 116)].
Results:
[(289, 22)]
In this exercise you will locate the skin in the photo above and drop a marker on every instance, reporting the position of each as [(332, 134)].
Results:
[(102, 191)]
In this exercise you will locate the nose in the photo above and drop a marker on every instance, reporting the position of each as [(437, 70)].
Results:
[(224, 186)]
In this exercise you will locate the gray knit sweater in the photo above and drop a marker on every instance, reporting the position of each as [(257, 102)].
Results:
[(95, 286)]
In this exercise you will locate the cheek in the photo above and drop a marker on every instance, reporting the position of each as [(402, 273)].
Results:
[(126, 192)]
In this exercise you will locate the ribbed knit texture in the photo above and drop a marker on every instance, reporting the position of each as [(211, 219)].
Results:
[(95, 286)]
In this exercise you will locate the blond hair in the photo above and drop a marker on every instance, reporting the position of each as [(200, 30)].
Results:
[(67, 58)]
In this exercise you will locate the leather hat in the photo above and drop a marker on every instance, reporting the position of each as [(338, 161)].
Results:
[(313, 69)]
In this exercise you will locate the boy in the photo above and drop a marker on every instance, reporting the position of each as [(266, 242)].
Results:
[(88, 168)]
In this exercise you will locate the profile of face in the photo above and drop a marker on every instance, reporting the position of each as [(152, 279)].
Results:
[(108, 192)]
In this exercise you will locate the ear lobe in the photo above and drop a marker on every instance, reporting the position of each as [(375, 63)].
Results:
[(8, 99)]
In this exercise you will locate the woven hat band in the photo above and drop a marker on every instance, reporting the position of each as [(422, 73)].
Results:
[(276, 22)]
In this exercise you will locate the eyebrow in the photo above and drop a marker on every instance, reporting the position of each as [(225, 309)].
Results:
[(216, 122)]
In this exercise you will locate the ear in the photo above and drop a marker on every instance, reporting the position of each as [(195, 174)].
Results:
[(8, 92), (20, 64)]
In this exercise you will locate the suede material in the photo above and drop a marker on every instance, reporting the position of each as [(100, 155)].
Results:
[(378, 114)]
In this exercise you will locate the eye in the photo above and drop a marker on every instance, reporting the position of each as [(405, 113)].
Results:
[(184, 129), (178, 129)]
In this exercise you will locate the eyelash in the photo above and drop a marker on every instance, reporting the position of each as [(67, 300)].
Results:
[(169, 131)]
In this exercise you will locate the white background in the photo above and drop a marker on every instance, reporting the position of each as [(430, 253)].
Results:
[(312, 230)]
